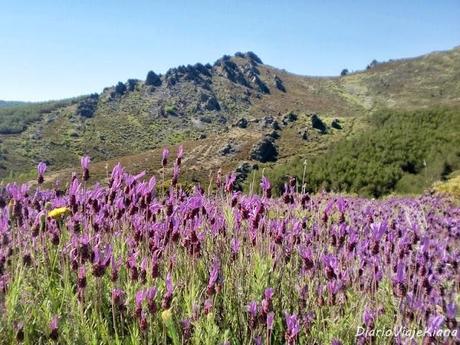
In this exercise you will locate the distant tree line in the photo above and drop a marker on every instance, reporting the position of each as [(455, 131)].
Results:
[(15, 120)]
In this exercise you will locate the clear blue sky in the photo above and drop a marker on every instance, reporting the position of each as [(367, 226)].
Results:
[(57, 49)]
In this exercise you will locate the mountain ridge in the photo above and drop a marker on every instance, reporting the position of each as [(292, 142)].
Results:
[(200, 103)]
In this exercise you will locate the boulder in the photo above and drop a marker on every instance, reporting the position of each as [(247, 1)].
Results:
[(221, 119), (274, 134), (242, 123), (228, 149), (208, 103), (318, 124), (279, 84), (336, 124), (303, 134), (269, 122), (87, 106), (212, 104), (265, 150), (289, 117)]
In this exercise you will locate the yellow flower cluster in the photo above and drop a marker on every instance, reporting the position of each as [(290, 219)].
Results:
[(166, 315), (58, 212)]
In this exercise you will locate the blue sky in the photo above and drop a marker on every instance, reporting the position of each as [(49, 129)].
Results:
[(58, 49)]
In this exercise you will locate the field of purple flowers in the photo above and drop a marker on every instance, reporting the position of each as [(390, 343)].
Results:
[(133, 262)]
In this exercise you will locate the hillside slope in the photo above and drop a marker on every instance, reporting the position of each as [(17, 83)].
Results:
[(220, 111)]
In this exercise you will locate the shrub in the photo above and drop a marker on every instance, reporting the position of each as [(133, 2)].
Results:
[(389, 157), (120, 88), (152, 79)]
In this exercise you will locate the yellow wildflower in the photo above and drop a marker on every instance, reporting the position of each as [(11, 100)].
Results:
[(58, 212), (166, 315)]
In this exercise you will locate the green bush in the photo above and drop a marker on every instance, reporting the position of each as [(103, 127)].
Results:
[(402, 152)]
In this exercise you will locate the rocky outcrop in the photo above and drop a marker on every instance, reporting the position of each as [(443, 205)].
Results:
[(253, 58), (119, 90), (229, 70), (265, 150), (279, 84), (131, 84), (198, 74), (269, 122), (318, 124), (208, 102), (228, 149), (260, 85), (336, 124), (87, 107), (274, 134), (242, 123), (289, 117), (247, 75)]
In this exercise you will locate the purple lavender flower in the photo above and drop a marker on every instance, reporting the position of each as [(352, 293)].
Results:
[(369, 318), (54, 329), (81, 281), (252, 310), (229, 182), (41, 169), (143, 322), (213, 277), (187, 328), (101, 261), (266, 303), (435, 323), (19, 329), (266, 187), (292, 328), (180, 155), (168, 295), (235, 247), (84, 161), (207, 307), (270, 320), (176, 172), (138, 301), (399, 285), (150, 296), (115, 268), (118, 299), (165, 156)]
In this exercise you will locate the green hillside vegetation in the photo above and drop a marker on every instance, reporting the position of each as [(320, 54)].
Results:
[(10, 104), (14, 119), (403, 152), (222, 111)]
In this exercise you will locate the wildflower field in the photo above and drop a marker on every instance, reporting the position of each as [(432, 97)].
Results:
[(131, 262)]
